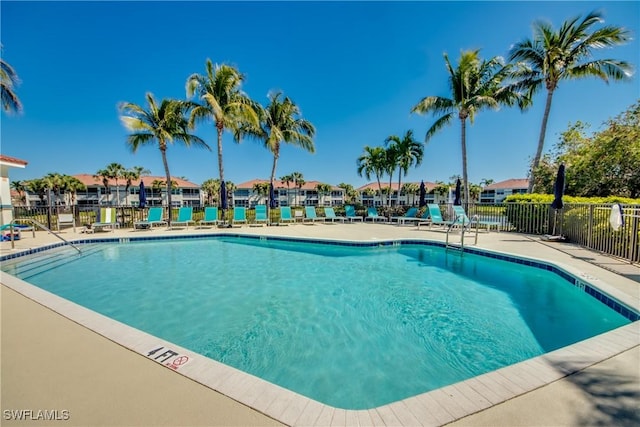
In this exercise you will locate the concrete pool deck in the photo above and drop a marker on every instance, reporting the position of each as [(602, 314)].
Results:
[(49, 362)]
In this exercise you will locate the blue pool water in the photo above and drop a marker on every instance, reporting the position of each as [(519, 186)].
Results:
[(352, 327)]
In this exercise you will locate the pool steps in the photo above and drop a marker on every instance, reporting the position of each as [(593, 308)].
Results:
[(46, 261)]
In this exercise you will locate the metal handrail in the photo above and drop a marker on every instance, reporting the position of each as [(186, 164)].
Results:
[(44, 227), (462, 230)]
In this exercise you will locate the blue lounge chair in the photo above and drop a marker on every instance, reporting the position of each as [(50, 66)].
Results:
[(7, 234), (210, 216), (310, 214), (372, 214), (435, 217), (261, 214), (239, 215), (462, 217), (330, 215), (154, 217), (285, 215), (106, 219), (409, 216), (185, 216), (350, 213)]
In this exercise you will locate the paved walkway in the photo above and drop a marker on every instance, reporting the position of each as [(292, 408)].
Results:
[(50, 362)]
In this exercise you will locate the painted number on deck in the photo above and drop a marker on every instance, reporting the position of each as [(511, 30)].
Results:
[(168, 357)]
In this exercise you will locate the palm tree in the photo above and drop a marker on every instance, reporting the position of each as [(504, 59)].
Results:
[(37, 186), (72, 185), (281, 123), (567, 54), (390, 165), (351, 195), (287, 179), (298, 181), (212, 189), (162, 124), (475, 85), (54, 182), (19, 187), (8, 81), (373, 161), (223, 102), (102, 175), (411, 188), (261, 189), (323, 190), (408, 152), (115, 171)]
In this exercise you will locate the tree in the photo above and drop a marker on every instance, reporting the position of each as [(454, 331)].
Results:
[(408, 152), (129, 175), (223, 102), (54, 182), (280, 122), (287, 179), (261, 189), (475, 85), (411, 188), (102, 175), (37, 186), (323, 190), (161, 124), (115, 171), (71, 186), (211, 187), (298, 181), (20, 188), (351, 195), (567, 54), (373, 162), (605, 163), (486, 182), (8, 81)]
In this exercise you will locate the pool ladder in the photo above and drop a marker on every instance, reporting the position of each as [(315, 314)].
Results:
[(462, 230), (39, 224)]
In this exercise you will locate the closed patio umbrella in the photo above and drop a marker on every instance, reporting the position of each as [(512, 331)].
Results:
[(558, 192), (456, 200), (423, 195), (143, 195), (224, 204)]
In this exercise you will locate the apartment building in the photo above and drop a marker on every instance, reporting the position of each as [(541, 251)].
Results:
[(369, 196), (245, 194), (498, 191)]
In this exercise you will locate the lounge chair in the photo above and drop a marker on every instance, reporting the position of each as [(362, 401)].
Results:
[(409, 216), (239, 215), (185, 216), (310, 214), (7, 235), (210, 216), (330, 215), (107, 218), (261, 214), (435, 217), (350, 213), (462, 215), (154, 217), (285, 215), (66, 219), (298, 215), (372, 214)]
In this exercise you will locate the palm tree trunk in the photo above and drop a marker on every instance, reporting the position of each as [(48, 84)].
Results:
[(543, 131), (463, 123), (220, 168), (399, 185), (168, 175)]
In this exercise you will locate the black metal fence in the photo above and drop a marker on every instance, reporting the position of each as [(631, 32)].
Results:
[(584, 224)]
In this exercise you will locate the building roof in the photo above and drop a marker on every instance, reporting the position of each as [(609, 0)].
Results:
[(429, 186), (89, 180), (12, 161), (308, 185), (514, 183)]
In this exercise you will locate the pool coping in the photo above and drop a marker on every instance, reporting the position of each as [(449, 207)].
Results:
[(436, 407)]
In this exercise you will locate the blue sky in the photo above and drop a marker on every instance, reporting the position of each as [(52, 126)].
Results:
[(354, 68)]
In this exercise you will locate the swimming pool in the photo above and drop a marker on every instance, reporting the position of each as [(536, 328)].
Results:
[(344, 337)]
